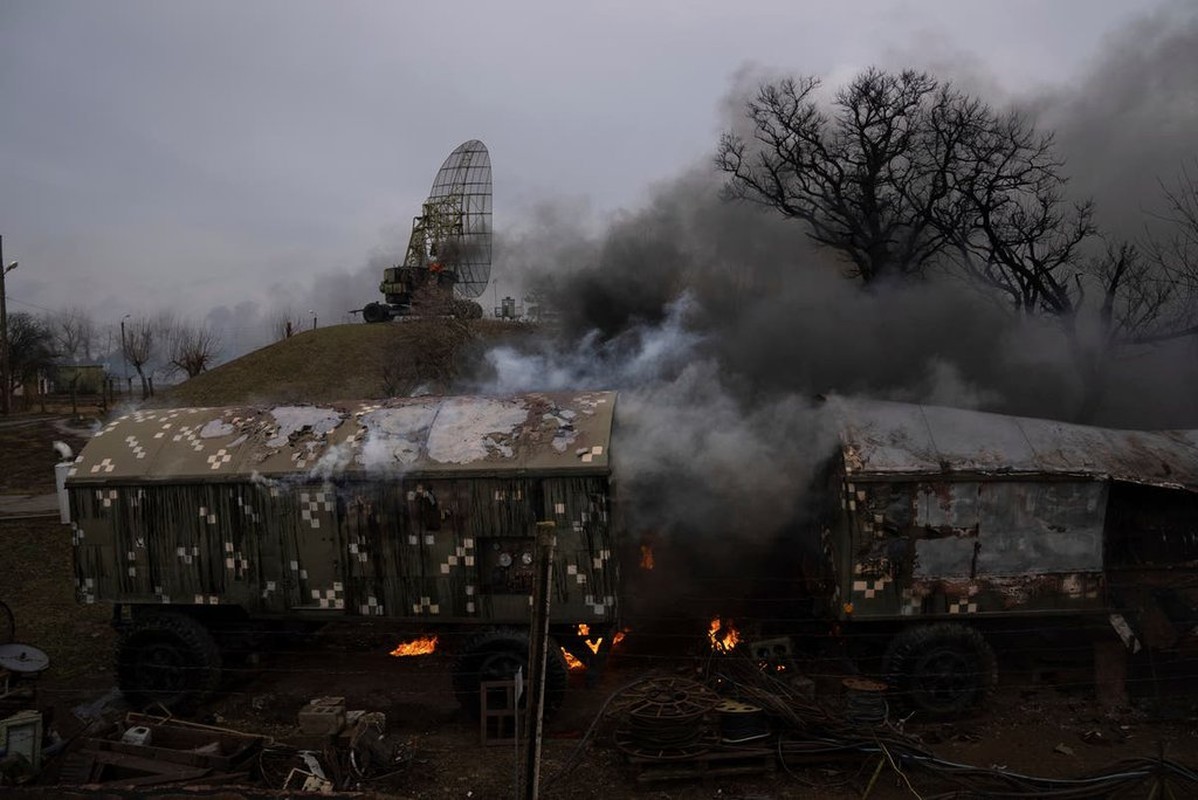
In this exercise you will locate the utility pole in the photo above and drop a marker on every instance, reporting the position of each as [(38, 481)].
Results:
[(125, 355), (538, 653), (5, 400)]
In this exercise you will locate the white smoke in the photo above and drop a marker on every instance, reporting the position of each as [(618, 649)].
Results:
[(690, 453)]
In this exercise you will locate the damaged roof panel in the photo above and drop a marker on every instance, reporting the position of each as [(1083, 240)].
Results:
[(885, 439), (549, 433)]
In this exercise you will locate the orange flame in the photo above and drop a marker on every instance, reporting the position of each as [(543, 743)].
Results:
[(573, 663), (584, 631), (723, 636), (619, 637), (646, 557), (417, 647)]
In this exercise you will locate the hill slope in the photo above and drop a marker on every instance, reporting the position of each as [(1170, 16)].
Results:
[(347, 362)]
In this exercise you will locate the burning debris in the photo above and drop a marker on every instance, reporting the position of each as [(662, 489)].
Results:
[(421, 646), (592, 644), (572, 663), (723, 635)]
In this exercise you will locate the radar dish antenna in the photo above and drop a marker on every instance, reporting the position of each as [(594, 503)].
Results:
[(449, 252), (461, 196)]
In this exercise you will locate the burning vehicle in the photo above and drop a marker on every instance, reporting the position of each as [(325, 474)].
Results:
[(945, 525), (936, 527), (198, 524)]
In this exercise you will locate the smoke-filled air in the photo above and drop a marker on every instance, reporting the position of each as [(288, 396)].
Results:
[(723, 320)]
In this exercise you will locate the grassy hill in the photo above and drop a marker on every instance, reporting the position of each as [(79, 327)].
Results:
[(344, 362)]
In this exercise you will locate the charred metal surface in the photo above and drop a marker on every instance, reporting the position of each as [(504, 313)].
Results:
[(418, 508), (970, 547), (951, 512)]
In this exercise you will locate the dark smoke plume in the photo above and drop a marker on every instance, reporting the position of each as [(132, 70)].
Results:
[(778, 317), (720, 322)]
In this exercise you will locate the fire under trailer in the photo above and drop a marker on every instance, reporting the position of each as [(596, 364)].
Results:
[(199, 524), (940, 533), (949, 530)]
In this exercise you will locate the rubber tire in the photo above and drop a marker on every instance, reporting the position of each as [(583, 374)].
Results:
[(944, 669), (375, 312), (495, 655), (185, 661)]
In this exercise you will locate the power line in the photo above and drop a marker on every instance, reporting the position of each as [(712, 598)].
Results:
[(12, 299)]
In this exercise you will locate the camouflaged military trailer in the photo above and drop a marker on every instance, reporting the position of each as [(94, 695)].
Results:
[(952, 526), (194, 523)]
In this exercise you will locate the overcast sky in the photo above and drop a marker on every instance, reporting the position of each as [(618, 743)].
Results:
[(187, 155)]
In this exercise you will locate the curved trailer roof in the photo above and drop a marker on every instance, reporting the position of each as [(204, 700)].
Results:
[(551, 433), (885, 439)]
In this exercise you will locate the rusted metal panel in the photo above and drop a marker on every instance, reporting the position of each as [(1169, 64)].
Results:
[(883, 440), (969, 547)]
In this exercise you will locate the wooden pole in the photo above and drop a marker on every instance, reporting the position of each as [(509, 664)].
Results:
[(537, 657), (5, 400)]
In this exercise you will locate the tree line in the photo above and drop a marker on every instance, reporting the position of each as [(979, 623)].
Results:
[(905, 178), (50, 343)]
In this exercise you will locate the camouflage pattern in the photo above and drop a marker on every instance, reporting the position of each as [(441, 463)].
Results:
[(417, 507)]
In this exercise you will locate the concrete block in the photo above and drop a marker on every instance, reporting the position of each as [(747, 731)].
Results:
[(322, 720)]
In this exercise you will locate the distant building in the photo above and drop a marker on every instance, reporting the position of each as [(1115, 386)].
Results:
[(84, 378)]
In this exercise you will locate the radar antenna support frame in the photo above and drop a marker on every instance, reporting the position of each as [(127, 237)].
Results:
[(448, 260)]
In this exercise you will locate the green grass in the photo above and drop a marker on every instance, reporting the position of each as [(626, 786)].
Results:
[(37, 581), (27, 455), (347, 362)]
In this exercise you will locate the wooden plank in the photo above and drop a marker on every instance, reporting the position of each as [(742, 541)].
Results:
[(184, 757), (137, 763), (157, 780)]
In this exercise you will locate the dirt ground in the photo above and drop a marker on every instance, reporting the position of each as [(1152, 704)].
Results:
[(1043, 720)]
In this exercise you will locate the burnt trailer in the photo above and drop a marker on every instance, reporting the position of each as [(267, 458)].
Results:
[(943, 524), (199, 524)]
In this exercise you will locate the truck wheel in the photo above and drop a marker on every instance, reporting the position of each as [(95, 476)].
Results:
[(375, 312), (495, 656), (167, 658), (944, 669)]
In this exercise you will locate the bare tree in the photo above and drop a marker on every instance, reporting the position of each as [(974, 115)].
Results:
[(284, 323), (74, 334), (873, 180), (1021, 237), (1179, 251), (433, 349), (30, 350), (907, 174), (139, 348), (191, 348)]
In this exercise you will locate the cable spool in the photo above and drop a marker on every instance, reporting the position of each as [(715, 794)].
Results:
[(865, 701), (665, 719), (741, 722)]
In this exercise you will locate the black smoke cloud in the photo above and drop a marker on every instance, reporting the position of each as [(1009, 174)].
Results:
[(721, 323), (778, 317), (1132, 121)]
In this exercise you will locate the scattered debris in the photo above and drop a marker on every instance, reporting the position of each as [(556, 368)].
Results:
[(323, 716)]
